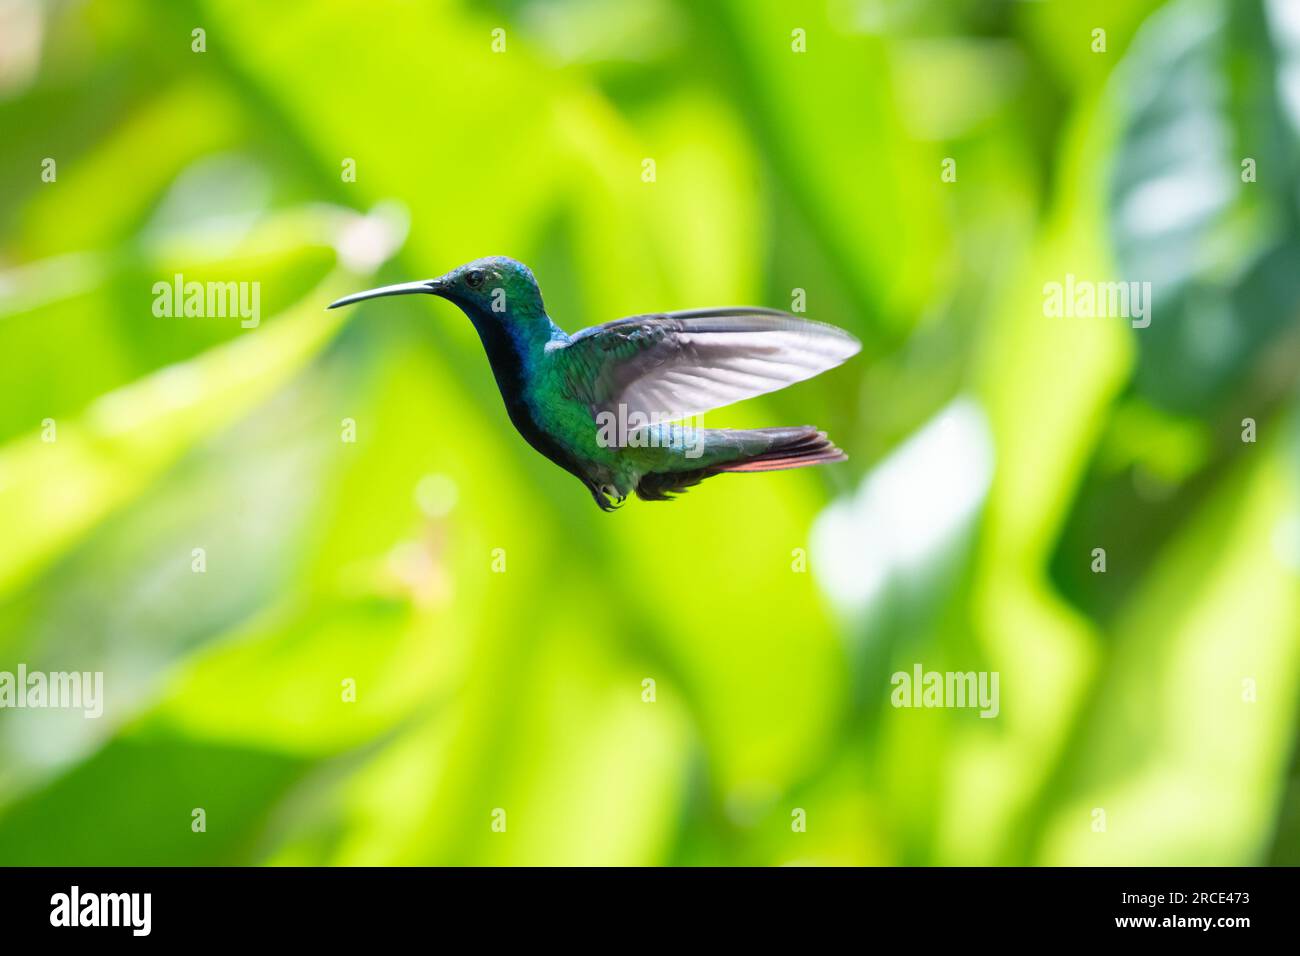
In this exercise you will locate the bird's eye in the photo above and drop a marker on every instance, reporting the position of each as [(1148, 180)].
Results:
[(474, 278)]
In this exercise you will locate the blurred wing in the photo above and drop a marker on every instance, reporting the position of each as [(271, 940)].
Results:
[(679, 364)]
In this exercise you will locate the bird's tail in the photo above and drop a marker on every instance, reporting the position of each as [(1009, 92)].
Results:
[(736, 450), (778, 448)]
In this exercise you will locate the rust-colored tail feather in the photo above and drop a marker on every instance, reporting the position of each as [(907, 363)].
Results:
[(759, 449), (791, 448)]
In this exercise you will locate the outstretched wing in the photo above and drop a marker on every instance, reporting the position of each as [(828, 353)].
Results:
[(678, 364)]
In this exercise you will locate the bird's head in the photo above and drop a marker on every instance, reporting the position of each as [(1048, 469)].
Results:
[(492, 285)]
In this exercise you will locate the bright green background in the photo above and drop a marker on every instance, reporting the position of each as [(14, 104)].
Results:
[(992, 448)]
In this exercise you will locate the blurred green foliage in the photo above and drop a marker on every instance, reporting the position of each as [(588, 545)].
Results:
[(993, 448)]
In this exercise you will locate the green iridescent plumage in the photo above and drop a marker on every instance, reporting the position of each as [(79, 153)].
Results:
[(605, 403)]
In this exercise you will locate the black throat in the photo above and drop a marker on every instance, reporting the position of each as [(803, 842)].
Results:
[(507, 355)]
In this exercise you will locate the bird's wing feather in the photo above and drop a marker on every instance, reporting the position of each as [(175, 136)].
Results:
[(677, 364)]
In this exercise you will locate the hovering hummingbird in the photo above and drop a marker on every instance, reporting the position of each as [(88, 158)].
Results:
[(602, 403)]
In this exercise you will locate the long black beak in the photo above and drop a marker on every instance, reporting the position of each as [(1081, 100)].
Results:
[(427, 286)]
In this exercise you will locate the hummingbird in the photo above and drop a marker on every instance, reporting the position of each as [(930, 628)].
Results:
[(605, 404)]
